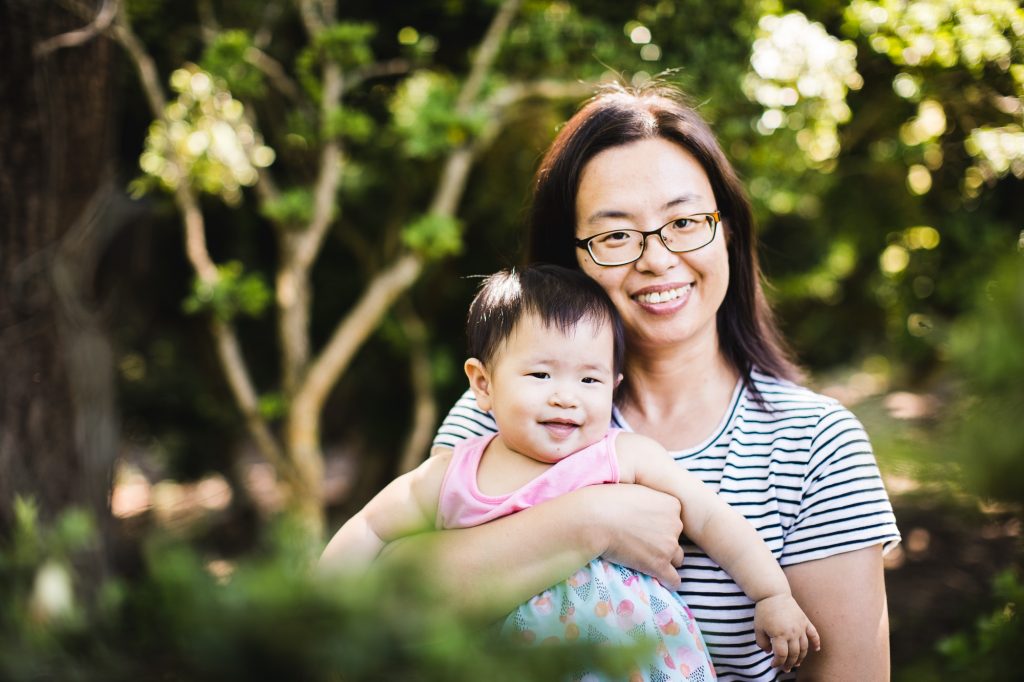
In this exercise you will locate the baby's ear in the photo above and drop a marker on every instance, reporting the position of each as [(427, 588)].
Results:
[(479, 382), (618, 380)]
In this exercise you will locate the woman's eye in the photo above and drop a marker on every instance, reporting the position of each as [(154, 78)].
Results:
[(614, 237), (682, 223)]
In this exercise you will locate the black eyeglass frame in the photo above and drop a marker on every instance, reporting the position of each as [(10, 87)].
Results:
[(714, 217)]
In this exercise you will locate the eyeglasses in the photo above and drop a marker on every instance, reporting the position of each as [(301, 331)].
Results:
[(619, 247)]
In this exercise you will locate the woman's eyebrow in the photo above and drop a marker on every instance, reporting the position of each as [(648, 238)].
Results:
[(612, 213), (601, 215), (682, 199)]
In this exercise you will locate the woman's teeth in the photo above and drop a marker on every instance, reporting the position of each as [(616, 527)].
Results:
[(662, 296)]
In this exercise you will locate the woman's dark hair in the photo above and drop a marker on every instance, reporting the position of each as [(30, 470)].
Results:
[(560, 297), (747, 332)]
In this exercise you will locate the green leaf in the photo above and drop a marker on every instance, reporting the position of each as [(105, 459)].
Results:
[(347, 43), (225, 58), (233, 294), (424, 115), (434, 236), (272, 405), (293, 208), (348, 123)]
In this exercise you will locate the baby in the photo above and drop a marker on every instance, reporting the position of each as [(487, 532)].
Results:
[(546, 354)]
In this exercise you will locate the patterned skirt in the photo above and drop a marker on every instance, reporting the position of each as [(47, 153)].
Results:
[(612, 605)]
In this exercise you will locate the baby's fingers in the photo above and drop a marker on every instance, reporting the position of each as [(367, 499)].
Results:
[(761, 637), (781, 649), (812, 636), (802, 654)]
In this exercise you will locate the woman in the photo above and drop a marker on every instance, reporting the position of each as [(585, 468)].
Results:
[(636, 192)]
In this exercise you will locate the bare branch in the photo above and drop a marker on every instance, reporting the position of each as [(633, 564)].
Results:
[(329, 176), (271, 11), (485, 54), (311, 17), (275, 73), (515, 93), (104, 17), (360, 322), (392, 67), (508, 97), (239, 381), (424, 414), (207, 18)]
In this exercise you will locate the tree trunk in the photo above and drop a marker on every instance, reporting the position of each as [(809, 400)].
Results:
[(58, 421)]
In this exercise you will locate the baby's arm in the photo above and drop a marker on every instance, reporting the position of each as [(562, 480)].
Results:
[(408, 505), (731, 541)]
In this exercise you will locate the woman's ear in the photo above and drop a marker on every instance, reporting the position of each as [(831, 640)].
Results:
[(479, 382)]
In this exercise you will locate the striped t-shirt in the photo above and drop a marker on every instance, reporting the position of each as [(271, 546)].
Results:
[(799, 467)]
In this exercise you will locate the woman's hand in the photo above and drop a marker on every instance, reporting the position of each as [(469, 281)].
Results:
[(641, 529)]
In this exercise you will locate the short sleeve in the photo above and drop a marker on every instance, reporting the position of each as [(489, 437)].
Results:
[(844, 505), (465, 420)]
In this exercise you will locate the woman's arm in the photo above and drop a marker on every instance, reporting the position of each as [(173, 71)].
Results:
[(844, 595), (490, 569)]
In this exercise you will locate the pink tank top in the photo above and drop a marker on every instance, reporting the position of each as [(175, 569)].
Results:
[(463, 505)]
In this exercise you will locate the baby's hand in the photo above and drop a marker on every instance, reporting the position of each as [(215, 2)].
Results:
[(782, 628)]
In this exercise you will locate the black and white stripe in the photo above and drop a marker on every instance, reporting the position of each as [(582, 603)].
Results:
[(799, 467)]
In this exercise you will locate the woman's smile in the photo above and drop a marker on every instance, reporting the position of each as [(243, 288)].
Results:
[(663, 298)]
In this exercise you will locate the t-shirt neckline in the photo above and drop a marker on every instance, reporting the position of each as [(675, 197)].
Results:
[(723, 425)]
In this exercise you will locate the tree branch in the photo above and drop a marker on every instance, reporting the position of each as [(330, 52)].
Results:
[(389, 284), (271, 11), (424, 412), (228, 349), (275, 73), (392, 67), (104, 17), (299, 250), (485, 55), (311, 17), (383, 290)]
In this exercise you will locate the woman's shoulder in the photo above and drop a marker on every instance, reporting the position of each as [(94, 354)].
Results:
[(784, 396)]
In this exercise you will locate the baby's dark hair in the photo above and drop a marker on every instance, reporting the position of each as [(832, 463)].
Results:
[(559, 296)]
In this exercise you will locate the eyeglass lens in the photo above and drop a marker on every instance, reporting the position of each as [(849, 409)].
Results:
[(624, 246)]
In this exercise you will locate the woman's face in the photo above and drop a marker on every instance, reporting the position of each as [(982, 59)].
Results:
[(664, 298)]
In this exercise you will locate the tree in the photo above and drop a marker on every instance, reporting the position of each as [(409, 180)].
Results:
[(59, 432), (210, 139)]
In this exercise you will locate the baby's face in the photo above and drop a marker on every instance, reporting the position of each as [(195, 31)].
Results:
[(551, 391)]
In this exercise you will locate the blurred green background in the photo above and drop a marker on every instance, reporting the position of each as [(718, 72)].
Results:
[(240, 238)]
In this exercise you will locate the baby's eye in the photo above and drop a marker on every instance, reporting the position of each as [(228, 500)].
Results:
[(591, 380), (539, 375)]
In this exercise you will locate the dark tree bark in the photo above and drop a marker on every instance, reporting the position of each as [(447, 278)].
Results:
[(58, 419)]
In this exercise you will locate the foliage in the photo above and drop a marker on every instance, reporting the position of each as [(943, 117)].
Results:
[(801, 75), (292, 208), (426, 118), (226, 59), (433, 236), (184, 616), (986, 434), (989, 652), (346, 44), (203, 139), (233, 293)]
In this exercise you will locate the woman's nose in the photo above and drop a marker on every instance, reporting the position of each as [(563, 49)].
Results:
[(656, 257)]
